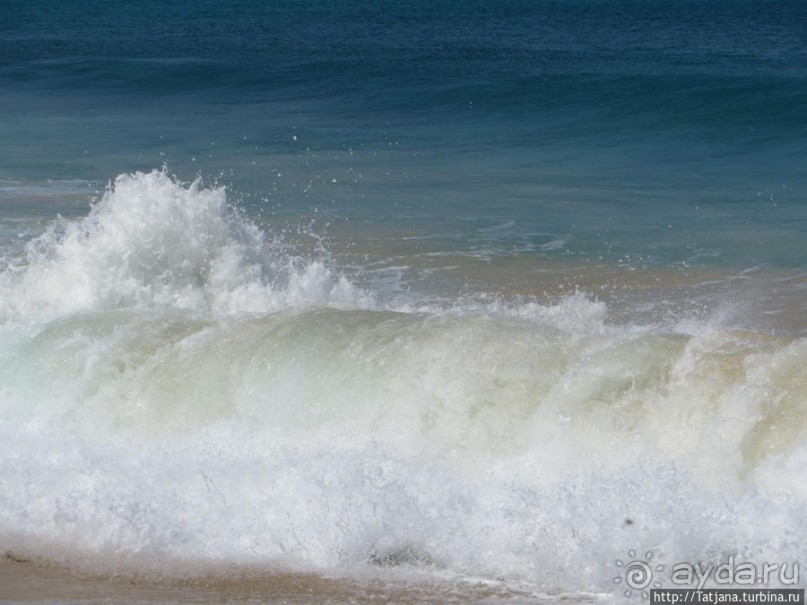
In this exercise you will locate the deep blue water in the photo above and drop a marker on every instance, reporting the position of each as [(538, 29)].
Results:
[(660, 106)]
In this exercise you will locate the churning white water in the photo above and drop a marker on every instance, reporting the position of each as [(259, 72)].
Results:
[(176, 387)]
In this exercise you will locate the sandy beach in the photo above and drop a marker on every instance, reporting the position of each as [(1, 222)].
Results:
[(26, 582), (30, 583)]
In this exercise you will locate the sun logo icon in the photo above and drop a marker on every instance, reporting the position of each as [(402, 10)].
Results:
[(638, 574)]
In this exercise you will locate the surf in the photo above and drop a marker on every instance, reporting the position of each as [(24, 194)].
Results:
[(181, 387)]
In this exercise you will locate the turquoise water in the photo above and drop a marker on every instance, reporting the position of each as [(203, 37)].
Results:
[(450, 292)]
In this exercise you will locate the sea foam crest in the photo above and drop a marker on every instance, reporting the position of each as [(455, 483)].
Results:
[(152, 241)]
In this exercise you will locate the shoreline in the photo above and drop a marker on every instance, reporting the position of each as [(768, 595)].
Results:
[(27, 582), (23, 581)]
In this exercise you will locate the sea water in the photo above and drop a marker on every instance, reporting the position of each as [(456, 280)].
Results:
[(500, 293)]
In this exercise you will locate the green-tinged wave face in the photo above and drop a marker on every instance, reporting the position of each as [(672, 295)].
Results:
[(510, 382)]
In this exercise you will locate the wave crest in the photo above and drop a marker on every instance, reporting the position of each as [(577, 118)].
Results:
[(152, 241)]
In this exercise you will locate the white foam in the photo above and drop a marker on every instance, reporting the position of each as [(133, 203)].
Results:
[(154, 242)]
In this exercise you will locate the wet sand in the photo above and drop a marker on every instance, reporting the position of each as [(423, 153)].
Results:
[(26, 582)]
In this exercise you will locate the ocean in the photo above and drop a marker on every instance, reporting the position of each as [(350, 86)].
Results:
[(492, 301)]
